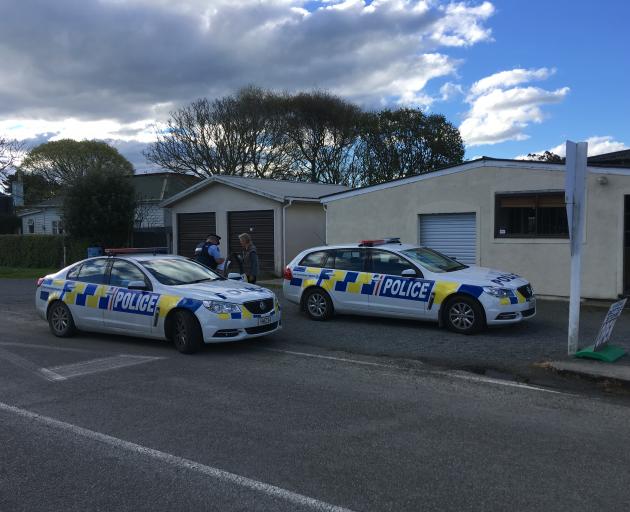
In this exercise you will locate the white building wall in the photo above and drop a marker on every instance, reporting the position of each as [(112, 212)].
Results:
[(545, 262), (42, 220)]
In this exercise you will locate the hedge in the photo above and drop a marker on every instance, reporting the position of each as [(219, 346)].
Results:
[(39, 251)]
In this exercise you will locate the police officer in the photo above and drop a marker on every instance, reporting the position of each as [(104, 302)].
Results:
[(209, 253)]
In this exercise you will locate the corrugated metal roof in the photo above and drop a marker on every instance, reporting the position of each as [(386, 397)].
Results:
[(279, 190)]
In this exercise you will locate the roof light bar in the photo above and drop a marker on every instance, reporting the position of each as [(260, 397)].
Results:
[(381, 241), (136, 250)]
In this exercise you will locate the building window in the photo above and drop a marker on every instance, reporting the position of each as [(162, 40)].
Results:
[(31, 226), (55, 227), (531, 215)]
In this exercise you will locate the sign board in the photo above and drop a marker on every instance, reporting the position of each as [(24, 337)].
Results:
[(609, 323)]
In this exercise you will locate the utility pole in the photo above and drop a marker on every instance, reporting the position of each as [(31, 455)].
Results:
[(575, 187)]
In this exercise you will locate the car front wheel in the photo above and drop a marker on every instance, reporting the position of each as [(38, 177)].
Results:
[(464, 315), (60, 320), (186, 332)]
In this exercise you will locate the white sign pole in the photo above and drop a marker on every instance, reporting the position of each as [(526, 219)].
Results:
[(575, 187)]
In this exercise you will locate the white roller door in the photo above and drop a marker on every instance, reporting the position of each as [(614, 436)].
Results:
[(454, 234)]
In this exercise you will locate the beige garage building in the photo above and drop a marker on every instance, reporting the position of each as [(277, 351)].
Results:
[(283, 217), (506, 214)]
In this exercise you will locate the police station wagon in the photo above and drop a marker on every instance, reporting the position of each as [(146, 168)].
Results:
[(388, 278), (155, 296)]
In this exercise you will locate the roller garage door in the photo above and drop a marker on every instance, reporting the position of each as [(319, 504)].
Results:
[(193, 228), (454, 234), (259, 225)]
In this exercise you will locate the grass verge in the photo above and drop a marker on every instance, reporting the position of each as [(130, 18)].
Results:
[(24, 273)]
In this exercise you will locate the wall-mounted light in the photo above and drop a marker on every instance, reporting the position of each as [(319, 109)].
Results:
[(602, 180)]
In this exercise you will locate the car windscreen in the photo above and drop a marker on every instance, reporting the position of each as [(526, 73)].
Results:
[(176, 271), (433, 260)]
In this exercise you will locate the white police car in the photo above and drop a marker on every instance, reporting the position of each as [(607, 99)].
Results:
[(155, 296), (388, 278)]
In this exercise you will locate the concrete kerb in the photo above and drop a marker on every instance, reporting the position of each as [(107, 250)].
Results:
[(594, 370)]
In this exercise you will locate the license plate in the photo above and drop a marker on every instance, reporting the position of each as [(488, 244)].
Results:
[(264, 320)]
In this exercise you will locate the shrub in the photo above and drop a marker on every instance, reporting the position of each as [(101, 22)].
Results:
[(39, 251)]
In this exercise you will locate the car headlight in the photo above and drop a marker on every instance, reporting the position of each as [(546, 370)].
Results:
[(497, 292), (218, 306)]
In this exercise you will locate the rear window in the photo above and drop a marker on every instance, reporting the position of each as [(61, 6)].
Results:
[(93, 271), (347, 259), (315, 259)]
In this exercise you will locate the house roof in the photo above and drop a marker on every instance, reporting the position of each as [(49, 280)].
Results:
[(161, 185), (278, 190), (614, 158), (484, 161)]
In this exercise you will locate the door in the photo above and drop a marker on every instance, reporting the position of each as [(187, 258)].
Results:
[(130, 311), (350, 282), (452, 234), (192, 229), (85, 286), (395, 294), (259, 224)]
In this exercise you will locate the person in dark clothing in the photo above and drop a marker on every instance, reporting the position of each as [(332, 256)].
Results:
[(249, 257), (208, 253)]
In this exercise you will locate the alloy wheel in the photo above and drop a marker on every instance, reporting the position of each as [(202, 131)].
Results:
[(316, 304), (461, 315)]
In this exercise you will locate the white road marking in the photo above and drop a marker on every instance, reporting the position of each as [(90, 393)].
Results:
[(499, 382), (454, 374), (104, 364), (318, 356), (178, 462), (25, 364)]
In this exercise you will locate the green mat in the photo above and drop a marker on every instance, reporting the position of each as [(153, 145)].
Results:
[(607, 353)]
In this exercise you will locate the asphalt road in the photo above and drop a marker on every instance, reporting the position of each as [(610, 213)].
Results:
[(290, 423)]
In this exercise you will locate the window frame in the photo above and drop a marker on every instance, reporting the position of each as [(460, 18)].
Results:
[(531, 194)]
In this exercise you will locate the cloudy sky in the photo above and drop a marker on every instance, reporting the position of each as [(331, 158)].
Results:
[(514, 76)]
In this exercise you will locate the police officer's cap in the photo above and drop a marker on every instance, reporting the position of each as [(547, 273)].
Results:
[(214, 235)]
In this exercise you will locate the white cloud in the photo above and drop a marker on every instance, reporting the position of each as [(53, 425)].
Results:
[(500, 112), (597, 145), (450, 90), (509, 78)]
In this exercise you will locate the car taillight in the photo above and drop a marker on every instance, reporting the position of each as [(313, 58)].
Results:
[(40, 281), (287, 274)]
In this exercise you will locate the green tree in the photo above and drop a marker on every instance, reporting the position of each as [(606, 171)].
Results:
[(99, 207), (547, 156), (63, 162), (404, 142)]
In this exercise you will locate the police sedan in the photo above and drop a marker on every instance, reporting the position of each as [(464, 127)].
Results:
[(155, 296), (388, 278)]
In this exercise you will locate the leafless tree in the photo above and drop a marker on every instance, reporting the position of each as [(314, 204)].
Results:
[(235, 135), (10, 151)]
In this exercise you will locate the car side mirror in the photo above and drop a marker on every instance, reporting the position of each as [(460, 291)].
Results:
[(137, 285), (409, 272), (235, 276)]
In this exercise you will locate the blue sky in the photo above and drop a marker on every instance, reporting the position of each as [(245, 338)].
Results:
[(589, 46), (515, 76)]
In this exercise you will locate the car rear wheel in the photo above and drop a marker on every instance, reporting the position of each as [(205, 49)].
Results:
[(464, 315), (186, 332), (60, 320), (318, 305)]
